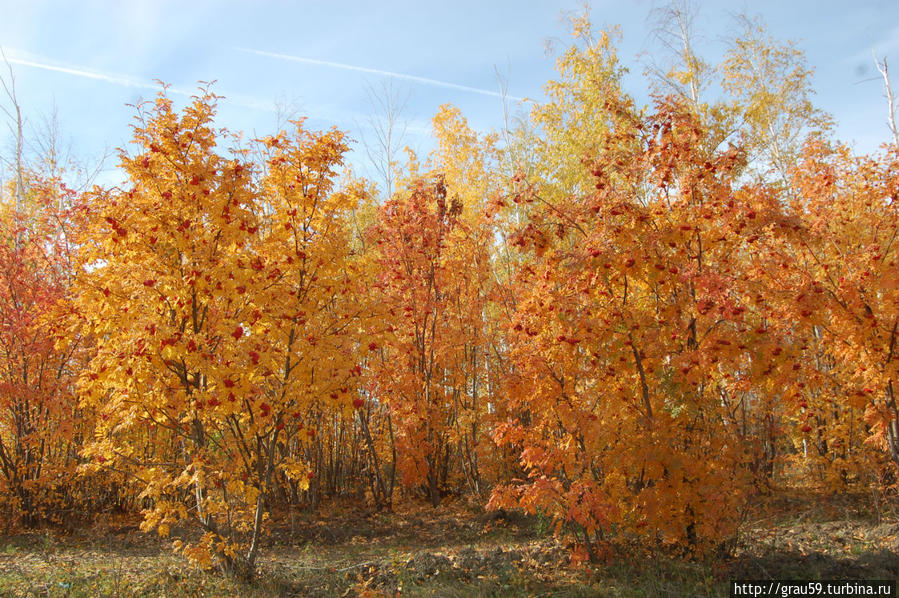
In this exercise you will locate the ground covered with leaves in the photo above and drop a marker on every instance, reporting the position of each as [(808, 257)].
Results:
[(455, 551)]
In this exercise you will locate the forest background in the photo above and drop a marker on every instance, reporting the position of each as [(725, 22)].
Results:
[(630, 322)]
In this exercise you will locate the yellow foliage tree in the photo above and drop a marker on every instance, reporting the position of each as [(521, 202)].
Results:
[(218, 305)]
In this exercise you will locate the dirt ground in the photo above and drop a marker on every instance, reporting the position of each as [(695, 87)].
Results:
[(458, 551)]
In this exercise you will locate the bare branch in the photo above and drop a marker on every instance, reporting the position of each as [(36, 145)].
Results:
[(891, 102), (20, 178), (673, 29), (388, 105)]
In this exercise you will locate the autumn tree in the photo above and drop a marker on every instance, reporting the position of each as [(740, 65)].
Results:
[(431, 271), (769, 85), (475, 171), (837, 284), (309, 327), (680, 71), (39, 419), (216, 305), (639, 326), (767, 104), (686, 75)]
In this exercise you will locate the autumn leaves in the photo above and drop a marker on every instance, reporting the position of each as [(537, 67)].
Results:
[(615, 319), (231, 313)]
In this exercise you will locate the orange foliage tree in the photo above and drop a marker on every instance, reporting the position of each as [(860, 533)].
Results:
[(39, 419), (835, 282), (432, 269), (638, 329), (217, 302)]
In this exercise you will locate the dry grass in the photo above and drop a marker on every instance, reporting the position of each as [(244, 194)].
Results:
[(455, 552)]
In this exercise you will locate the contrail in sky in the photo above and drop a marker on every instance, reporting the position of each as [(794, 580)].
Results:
[(362, 69), (80, 72), (126, 81)]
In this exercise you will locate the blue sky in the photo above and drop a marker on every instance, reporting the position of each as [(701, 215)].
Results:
[(90, 59)]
